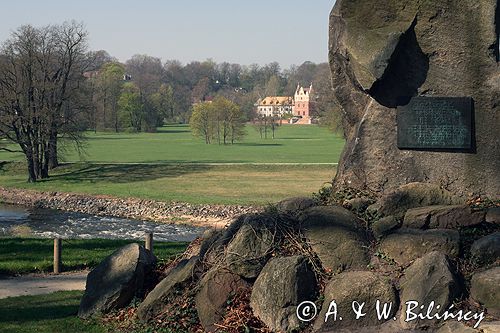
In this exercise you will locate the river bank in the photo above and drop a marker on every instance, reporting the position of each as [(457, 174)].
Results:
[(133, 208)]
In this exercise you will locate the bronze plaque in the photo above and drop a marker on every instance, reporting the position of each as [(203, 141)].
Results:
[(436, 123)]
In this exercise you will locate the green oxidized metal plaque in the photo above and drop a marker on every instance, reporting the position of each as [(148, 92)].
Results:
[(436, 123)]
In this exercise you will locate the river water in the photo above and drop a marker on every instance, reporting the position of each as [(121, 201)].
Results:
[(49, 223)]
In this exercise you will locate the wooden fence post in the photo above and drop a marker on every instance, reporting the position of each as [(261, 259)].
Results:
[(149, 242), (57, 255)]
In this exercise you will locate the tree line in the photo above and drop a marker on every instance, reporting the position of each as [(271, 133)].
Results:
[(53, 88)]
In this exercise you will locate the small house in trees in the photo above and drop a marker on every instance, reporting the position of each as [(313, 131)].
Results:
[(277, 106), (299, 107)]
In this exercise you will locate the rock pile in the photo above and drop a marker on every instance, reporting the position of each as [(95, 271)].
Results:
[(329, 256)]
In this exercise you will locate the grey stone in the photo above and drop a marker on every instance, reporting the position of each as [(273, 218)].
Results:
[(404, 246), (428, 279), (116, 280), (202, 244), (442, 217), (359, 204), (295, 205), (212, 249), (158, 298), (249, 251), (282, 285), (485, 288), (215, 289), (455, 327), (337, 236), (362, 287), (490, 327), (412, 195), (493, 215), (486, 250), (384, 52), (384, 226)]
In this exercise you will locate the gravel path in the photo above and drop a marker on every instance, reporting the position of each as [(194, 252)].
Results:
[(42, 284)]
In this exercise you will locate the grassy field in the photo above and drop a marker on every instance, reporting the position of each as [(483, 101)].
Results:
[(193, 183), (24, 255), (45, 313), (175, 144), (171, 165)]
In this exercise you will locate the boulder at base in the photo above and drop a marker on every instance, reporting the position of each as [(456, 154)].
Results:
[(358, 286), (493, 215), (295, 205), (384, 226), (442, 217), (282, 285), (398, 201), (486, 250), (116, 280), (428, 279), (215, 289), (455, 327), (337, 236), (158, 298), (249, 250), (404, 246), (485, 288), (491, 327)]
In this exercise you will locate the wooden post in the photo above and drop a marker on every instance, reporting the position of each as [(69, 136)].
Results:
[(57, 255), (149, 241)]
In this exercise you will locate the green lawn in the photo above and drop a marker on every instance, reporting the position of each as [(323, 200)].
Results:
[(193, 183), (175, 144), (51, 313), (172, 165), (24, 255)]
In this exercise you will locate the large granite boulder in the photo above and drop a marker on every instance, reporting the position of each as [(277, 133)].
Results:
[(493, 215), (295, 205), (361, 287), (404, 246), (455, 327), (384, 226), (384, 52), (282, 285), (337, 236), (490, 327), (249, 251), (116, 280), (486, 250), (442, 217), (428, 279), (215, 289), (485, 288), (397, 201), (176, 279)]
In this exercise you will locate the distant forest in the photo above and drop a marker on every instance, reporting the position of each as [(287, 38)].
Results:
[(166, 91)]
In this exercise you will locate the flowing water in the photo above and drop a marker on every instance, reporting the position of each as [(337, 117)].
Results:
[(48, 223)]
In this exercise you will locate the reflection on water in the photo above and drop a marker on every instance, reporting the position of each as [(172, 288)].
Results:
[(48, 223)]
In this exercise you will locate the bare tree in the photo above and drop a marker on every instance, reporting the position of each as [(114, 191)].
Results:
[(40, 75)]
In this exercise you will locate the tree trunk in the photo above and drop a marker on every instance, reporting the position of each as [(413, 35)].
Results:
[(31, 169), (53, 160)]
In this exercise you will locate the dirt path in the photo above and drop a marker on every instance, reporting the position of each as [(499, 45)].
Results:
[(36, 284)]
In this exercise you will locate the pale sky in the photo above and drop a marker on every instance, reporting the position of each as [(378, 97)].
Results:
[(244, 32)]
